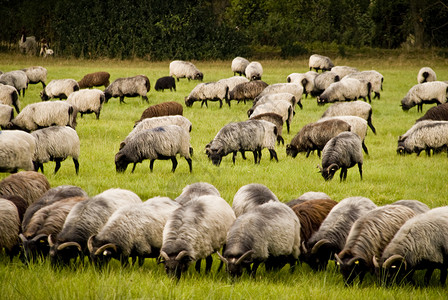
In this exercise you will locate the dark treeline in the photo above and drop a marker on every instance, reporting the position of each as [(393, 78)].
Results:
[(210, 29)]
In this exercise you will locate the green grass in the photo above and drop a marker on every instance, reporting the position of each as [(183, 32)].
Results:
[(387, 178)]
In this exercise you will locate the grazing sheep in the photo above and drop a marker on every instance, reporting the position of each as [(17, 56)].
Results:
[(246, 91), (332, 234), (6, 115), (314, 136), (212, 91), (239, 65), (374, 77), (348, 89), (56, 143), (232, 82), (305, 79), (169, 108), (343, 71), (27, 44), (250, 196), (162, 142), (368, 238), (17, 79), (275, 119), (417, 206), (16, 151), (29, 185), (128, 87), (424, 135), (254, 71), (36, 74), (164, 83), (94, 79), (323, 81), (426, 74), (273, 98), (45, 114), (280, 107), (185, 69), (269, 233), (193, 232), (9, 228), (357, 108), (320, 62), (59, 88), (196, 190), (436, 113), (9, 96), (292, 88), (87, 101), (425, 93), (341, 152)]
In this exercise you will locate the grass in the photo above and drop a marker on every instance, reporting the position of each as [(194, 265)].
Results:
[(387, 178)]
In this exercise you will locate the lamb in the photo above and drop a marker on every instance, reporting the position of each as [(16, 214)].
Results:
[(314, 136), (170, 108), (269, 233), (6, 115), (162, 142), (134, 230), (425, 93), (357, 108), (374, 77), (424, 135), (275, 119), (292, 88), (193, 232), (254, 71), (29, 185), (323, 81), (436, 113), (27, 44), (426, 74), (417, 206), (320, 62), (341, 152), (250, 196), (196, 190), (239, 65), (332, 234), (87, 101), (164, 83), (128, 87), (213, 91), (85, 219), (44, 114), (246, 91), (16, 151), (343, 71), (348, 89), (59, 88), (185, 69), (368, 238), (56, 143), (17, 79), (9, 228), (9, 96), (305, 79), (280, 107), (94, 79), (36, 74)]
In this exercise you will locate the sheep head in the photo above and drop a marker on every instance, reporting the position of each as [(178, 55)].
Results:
[(175, 264)]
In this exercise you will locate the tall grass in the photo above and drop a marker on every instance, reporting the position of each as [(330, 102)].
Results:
[(387, 177)]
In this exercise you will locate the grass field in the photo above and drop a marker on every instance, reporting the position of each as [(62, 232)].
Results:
[(387, 177)]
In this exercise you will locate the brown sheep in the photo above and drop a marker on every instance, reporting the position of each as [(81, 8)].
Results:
[(94, 79), (29, 185), (19, 202), (170, 108)]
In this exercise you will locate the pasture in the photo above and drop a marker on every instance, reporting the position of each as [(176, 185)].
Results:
[(387, 177)]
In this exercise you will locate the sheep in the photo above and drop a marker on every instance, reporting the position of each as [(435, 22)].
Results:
[(29, 185), (357, 108), (87, 101), (6, 115), (164, 83), (280, 107), (94, 79), (44, 114), (417, 206), (275, 119), (251, 135), (307, 196), (36, 74), (341, 152), (170, 108), (323, 81), (134, 230), (16, 151), (426, 74), (436, 113), (212, 91), (195, 190), (254, 71), (193, 232), (20, 203), (320, 62), (9, 228), (246, 91), (27, 44), (292, 88), (269, 233), (17, 79), (56, 143), (368, 237), (273, 98), (162, 142), (348, 89), (314, 136), (305, 79), (343, 71), (425, 93), (9, 96), (85, 219), (232, 82), (59, 88), (239, 65), (154, 122), (374, 77), (424, 135), (332, 234), (185, 69), (250, 196), (128, 87), (421, 243)]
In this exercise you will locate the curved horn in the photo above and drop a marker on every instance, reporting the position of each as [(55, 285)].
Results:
[(320, 168), (392, 259), (332, 166), (104, 247), (240, 260), (375, 262), (222, 258), (181, 254), (318, 245), (338, 259), (39, 237), (164, 255), (23, 238), (50, 240), (69, 244), (90, 243)]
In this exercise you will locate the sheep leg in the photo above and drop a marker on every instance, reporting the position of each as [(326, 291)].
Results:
[(273, 154), (287, 125), (145, 98), (255, 156), (259, 155), (141, 261), (174, 161), (189, 164), (428, 275), (133, 167), (198, 266), (122, 100), (360, 169), (243, 154), (134, 259), (75, 161), (364, 147), (220, 103), (443, 274), (16, 106), (234, 156), (280, 140), (97, 115), (151, 164), (58, 166), (208, 264)]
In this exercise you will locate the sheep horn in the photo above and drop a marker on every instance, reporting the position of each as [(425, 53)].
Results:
[(68, 244), (392, 259), (90, 243), (50, 240), (23, 238), (38, 237), (164, 256), (222, 258), (104, 247), (318, 245), (320, 168), (303, 247), (338, 259), (375, 262), (181, 254), (240, 260), (353, 260)]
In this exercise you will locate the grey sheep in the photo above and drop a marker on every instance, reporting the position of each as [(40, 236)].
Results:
[(128, 87), (426, 74), (27, 44), (17, 79), (185, 69), (323, 81), (164, 83), (9, 96), (357, 108), (94, 79), (239, 65), (333, 232), (36, 74), (273, 98), (246, 91), (210, 91), (425, 93), (250, 196), (375, 78), (6, 115), (275, 119), (341, 152), (16, 151), (343, 71), (169, 108), (193, 232), (320, 62), (85, 219), (9, 228), (269, 234), (56, 143), (368, 238), (436, 113), (348, 89), (280, 107), (232, 82), (196, 190), (87, 101), (59, 88), (424, 136), (134, 230), (162, 142), (417, 206), (29, 185), (314, 136), (305, 79), (292, 88), (254, 71)]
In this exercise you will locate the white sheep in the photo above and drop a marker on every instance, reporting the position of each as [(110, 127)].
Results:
[(213, 91), (426, 74), (254, 71), (232, 82), (59, 88), (320, 62), (425, 93), (6, 115), (323, 81), (348, 89), (16, 151), (36, 74), (343, 71), (292, 88), (374, 77), (17, 79), (239, 65), (356, 108), (304, 79), (185, 69), (87, 101), (9, 96)]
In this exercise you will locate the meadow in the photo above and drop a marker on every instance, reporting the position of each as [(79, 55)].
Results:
[(387, 177)]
